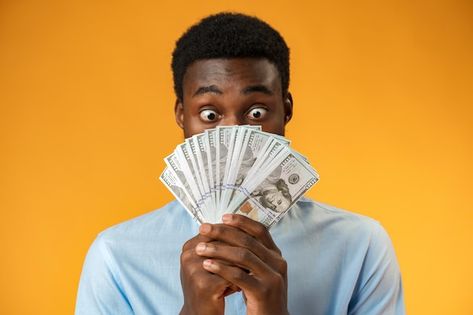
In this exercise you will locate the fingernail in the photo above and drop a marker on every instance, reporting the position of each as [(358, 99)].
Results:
[(227, 218), (208, 263), (205, 228), (201, 247)]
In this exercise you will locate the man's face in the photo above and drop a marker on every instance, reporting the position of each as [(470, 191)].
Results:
[(240, 91)]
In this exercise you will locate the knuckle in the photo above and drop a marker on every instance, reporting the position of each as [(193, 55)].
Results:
[(238, 275), (186, 245), (212, 248), (264, 291), (238, 219), (277, 280), (276, 252), (200, 283), (209, 282), (185, 256), (190, 243), (220, 283), (242, 255), (282, 266), (247, 241), (216, 230), (193, 271), (260, 230)]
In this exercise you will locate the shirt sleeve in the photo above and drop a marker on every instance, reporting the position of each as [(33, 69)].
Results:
[(379, 288), (99, 288)]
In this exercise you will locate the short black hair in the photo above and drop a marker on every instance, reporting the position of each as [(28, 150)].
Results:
[(229, 35)]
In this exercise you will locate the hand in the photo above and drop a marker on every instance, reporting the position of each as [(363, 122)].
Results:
[(247, 256), (203, 291)]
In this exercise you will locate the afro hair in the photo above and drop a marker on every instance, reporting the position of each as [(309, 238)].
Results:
[(229, 35)]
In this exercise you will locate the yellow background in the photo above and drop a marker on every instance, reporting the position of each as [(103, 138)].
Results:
[(383, 108)]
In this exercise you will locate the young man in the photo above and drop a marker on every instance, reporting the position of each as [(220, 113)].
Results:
[(232, 69)]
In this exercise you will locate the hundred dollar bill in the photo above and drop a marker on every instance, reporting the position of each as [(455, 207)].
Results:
[(274, 154), (183, 155), (282, 139), (190, 154), (210, 139), (239, 136), (198, 149), (255, 145), (181, 172), (176, 187), (265, 158), (232, 166), (278, 192), (237, 169), (226, 136)]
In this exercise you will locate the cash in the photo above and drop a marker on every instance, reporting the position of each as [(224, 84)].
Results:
[(237, 169)]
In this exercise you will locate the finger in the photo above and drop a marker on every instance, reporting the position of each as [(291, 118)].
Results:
[(239, 256), (232, 274), (191, 243), (235, 237), (191, 268), (238, 238), (191, 263), (211, 283), (252, 227), (230, 287)]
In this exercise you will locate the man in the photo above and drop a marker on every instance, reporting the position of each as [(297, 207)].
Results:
[(232, 69)]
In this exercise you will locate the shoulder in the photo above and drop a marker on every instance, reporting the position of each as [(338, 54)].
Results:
[(119, 251), (332, 213), (354, 250), (338, 233), (320, 218), (347, 234), (170, 217), (157, 233)]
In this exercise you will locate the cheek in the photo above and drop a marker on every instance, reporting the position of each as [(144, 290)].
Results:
[(192, 124), (274, 125), (276, 121)]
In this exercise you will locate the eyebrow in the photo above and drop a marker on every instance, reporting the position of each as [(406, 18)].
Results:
[(207, 89), (257, 88), (247, 90)]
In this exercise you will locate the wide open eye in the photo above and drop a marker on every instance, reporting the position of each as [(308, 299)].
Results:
[(209, 115), (257, 113)]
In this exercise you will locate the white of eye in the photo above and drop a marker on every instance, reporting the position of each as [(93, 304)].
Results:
[(208, 115), (257, 113)]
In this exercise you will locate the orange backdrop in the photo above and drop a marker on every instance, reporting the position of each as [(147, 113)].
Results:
[(383, 109)]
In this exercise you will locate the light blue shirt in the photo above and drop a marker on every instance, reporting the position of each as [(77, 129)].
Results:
[(338, 263)]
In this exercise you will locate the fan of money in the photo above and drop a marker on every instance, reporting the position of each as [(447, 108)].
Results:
[(237, 169)]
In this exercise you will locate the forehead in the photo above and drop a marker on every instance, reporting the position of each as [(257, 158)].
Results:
[(231, 73)]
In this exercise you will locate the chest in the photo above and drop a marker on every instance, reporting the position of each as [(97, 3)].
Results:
[(321, 278)]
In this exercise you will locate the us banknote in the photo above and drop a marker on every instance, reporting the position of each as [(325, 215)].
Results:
[(237, 169)]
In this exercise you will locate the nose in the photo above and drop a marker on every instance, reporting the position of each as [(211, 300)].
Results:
[(231, 119)]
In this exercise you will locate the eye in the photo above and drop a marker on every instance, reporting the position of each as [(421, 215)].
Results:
[(257, 113), (209, 115)]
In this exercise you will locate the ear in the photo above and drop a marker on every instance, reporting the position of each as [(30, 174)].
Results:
[(288, 104), (179, 113)]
